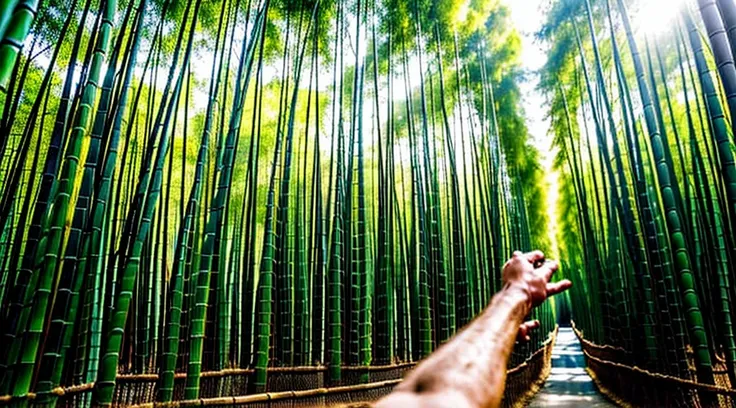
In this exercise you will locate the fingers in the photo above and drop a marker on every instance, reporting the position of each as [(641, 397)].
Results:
[(530, 325), (558, 287), (548, 269), (525, 329), (517, 257), (534, 256)]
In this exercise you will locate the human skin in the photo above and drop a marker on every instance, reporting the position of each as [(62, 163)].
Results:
[(470, 369)]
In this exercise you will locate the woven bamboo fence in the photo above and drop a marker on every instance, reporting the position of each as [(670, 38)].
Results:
[(630, 386), (295, 386)]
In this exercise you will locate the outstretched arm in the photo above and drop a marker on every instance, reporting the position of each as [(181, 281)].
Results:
[(470, 369)]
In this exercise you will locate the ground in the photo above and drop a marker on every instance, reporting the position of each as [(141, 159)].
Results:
[(568, 384)]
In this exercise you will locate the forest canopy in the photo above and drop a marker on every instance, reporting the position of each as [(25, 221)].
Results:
[(201, 198), (194, 185)]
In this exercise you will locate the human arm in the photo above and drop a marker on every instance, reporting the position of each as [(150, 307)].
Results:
[(470, 369)]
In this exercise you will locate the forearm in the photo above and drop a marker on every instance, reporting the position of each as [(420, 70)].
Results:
[(471, 368)]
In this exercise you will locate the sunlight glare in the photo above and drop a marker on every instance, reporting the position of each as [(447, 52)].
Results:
[(655, 17), (462, 12)]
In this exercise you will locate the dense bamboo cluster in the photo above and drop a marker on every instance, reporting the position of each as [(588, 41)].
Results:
[(192, 186), (643, 123)]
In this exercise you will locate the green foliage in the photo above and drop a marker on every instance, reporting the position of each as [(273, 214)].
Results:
[(269, 183), (645, 105)]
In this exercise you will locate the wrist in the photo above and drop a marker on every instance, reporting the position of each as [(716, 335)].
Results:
[(519, 291)]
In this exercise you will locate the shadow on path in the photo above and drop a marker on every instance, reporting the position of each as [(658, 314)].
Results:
[(568, 385)]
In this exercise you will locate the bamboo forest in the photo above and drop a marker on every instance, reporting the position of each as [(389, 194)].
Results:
[(292, 203)]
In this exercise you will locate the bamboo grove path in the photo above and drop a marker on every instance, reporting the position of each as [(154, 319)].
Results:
[(568, 385), (307, 234)]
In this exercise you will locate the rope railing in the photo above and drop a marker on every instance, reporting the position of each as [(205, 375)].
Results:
[(526, 379), (632, 386), (271, 370), (272, 396), (294, 386)]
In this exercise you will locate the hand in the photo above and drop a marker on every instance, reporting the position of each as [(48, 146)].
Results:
[(531, 273), (525, 329)]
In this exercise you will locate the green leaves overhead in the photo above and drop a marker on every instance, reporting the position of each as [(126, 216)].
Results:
[(223, 191), (653, 192)]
